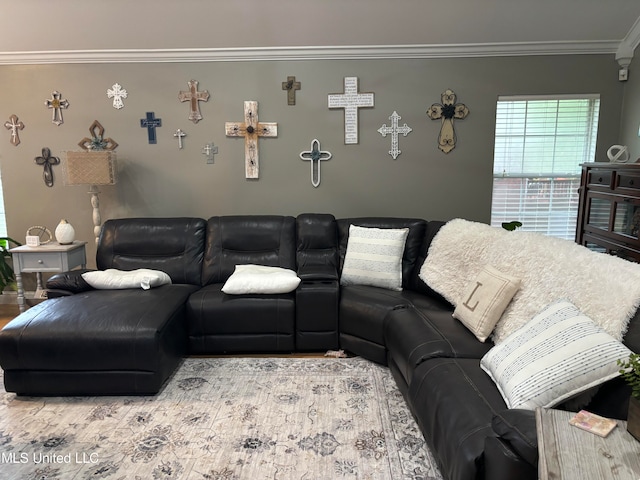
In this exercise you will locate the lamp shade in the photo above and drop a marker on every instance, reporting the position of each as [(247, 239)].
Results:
[(90, 168)]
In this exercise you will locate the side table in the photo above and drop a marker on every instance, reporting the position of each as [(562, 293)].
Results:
[(566, 452), (49, 258)]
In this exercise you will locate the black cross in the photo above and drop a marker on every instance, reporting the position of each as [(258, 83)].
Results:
[(150, 123), (47, 161)]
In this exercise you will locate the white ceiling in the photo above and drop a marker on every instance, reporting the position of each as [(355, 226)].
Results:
[(35, 28)]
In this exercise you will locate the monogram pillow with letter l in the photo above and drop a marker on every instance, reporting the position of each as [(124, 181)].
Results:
[(484, 301)]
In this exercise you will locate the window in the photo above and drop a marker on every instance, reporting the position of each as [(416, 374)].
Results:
[(3, 218), (540, 144)]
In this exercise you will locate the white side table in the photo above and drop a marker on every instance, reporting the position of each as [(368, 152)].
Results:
[(49, 258)]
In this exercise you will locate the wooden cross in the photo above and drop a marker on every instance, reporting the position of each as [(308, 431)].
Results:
[(56, 103), (97, 140), (209, 150), (251, 130), (194, 96), (179, 133), (47, 161), (394, 130), (351, 101), (14, 125), (117, 93), (315, 156), (291, 86), (447, 111), (150, 123)]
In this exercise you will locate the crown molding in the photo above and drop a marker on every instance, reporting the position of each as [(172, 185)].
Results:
[(186, 55)]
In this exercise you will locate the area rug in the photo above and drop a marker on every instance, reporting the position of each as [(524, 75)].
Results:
[(224, 419)]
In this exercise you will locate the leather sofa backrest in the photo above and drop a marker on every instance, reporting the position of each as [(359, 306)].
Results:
[(247, 239), (317, 244), (172, 245), (415, 238)]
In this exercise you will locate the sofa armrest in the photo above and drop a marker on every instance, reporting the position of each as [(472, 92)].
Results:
[(68, 283), (517, 429), (502, 463), (318, 273)]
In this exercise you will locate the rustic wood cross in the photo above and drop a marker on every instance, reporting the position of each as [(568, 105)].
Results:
[(47, 161), (291, 86), (194, 96), (351, 101), (117, 93), (447, 111), (56, 103), (394, 130), (179, 133), (150, 123), (97, 140), (14, 125), (251, 130), (315, 156), (210, 150)]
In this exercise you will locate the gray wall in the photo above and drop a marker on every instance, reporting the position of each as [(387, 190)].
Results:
[(160, 180), (630, 124)]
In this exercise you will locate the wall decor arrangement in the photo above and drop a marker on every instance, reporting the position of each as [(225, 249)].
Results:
[(448, 110), (117, 93), (56, 103), (315, 156), (209, 150), (394, 130), (14, 125), (193, 96), (47, 162), (150, 122), (351, 100), (251, 129), (290, 86), (179, 135), (97, 140)]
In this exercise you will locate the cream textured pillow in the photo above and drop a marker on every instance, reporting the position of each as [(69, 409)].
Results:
[(112, 279), (260, 279), (484, 301), (556, 355), (374, 257)]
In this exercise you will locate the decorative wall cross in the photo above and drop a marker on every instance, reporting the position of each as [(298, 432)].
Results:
[(291, 86), (251, 130), (179, 133), (150, 123), (117, 93), (97, 140), (315, 156), (351, 101), (14, 125), (209, 150), (447, 111), (194, 96), (394, 130), (57, 103), (47, 161)]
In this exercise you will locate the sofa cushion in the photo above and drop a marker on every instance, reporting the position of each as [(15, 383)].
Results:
[(113, 279), (260, 279), (374, 257), (484, 301), (556, 355)]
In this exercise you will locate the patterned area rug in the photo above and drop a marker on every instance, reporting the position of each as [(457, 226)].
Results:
[(224, 419)]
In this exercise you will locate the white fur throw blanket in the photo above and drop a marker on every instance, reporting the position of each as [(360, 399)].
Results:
[(605, 288)]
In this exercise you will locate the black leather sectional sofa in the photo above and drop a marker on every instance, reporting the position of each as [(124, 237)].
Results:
[(98, 342)]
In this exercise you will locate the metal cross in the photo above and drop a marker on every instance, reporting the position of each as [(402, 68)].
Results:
[(194, 96), (251, 130), (14, 125), (117, 93), (447, 111), (47, 161), (315, 156), (97, 140), (394, 130), (56, 102), (209, 150), (150, 123), (179, 133), (291, 86), (351, 101)]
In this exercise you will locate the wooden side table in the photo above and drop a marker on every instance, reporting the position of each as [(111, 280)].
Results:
[(49, 258), (566, 452)]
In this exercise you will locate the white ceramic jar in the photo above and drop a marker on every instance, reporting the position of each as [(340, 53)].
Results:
[(65, 233)]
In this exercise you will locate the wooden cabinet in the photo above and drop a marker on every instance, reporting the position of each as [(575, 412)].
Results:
[(609, 209)]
